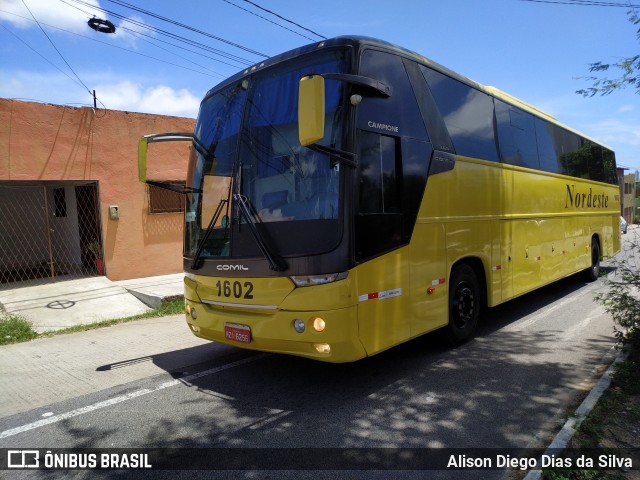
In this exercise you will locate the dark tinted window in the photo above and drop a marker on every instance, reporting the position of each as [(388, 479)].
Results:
[(533, 142), (596, 167), (378, 176), (467, 113), (517, 136), (549, 138), (397, 115), (436, 127), (585, 161), (609, 162), (392, 174), (379, 219), (572, 163)]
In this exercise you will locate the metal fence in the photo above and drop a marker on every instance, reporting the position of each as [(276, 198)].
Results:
[(49, 230)]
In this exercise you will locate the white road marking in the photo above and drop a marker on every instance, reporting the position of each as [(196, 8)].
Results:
[(123, 398), (528, 321)]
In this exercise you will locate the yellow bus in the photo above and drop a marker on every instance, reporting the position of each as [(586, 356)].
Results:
[(350, 195)]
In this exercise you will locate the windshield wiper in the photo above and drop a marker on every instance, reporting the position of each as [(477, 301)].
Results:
[(196, 264), (276, 263)]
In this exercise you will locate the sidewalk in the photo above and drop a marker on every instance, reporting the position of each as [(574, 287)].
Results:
[(66, 303), (48, 370)]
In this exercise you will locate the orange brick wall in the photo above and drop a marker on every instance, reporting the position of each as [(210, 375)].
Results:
[(50, 142)]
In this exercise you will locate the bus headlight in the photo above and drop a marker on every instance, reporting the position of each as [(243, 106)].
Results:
[(310, 280), (318, 324), (298, 325)]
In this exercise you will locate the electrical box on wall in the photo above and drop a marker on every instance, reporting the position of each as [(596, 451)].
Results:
[(114, 212)]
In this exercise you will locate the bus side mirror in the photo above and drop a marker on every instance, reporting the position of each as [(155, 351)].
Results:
[(143, 146), (311, 109), (142, 159)]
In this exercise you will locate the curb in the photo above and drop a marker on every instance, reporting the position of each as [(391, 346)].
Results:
[(564, 436), (151, 300)]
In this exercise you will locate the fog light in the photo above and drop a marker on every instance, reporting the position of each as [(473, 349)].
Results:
[(195, 328), (318, 324), (298, 325), (322, 347), (194, 314)]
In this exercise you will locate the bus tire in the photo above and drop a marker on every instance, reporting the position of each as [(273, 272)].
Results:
[(464, 304), (593, 272)]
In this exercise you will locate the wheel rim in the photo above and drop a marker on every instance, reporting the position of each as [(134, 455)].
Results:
[(463, 306)]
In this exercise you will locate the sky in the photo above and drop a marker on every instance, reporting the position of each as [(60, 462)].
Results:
[(165, 55)]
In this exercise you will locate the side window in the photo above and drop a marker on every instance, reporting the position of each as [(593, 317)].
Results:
[(393, 158), (467, 113), (583, 158), (397, 115), (609, 161), (572, 162), (378, 174), (379, 218), (549, 139), (517, 136), (596, 166)]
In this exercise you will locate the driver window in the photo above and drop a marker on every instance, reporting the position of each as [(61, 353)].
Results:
[(379, 219)]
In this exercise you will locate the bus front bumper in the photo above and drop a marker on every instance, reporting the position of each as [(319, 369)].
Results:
[(329, 335)]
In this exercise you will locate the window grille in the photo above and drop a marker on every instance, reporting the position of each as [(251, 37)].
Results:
[(165, 201)]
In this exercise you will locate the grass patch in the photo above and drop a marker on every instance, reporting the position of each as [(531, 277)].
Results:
[(14, 329)]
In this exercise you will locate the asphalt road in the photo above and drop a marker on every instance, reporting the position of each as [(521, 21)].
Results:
[(531, 363)]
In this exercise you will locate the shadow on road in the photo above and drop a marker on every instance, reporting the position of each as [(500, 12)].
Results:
[(497, 390)]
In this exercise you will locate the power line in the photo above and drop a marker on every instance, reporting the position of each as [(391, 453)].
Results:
[(227, 55), (88, 14), (266, 19), (108, 44), (42, 56), (283, 18), (165, 19), (140, 34), (56, 48)]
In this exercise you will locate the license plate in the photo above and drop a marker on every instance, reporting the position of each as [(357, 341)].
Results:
[(237, 333)]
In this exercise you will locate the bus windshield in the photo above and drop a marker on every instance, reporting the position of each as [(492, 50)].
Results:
[(246, 147)]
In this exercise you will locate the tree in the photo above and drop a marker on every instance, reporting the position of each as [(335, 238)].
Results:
[(629, 68)]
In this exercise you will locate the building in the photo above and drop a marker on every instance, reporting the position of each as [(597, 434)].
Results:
[(629, 199), (70, 195)]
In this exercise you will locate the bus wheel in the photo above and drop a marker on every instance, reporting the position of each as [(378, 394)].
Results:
[(464, 304), (593, 272)]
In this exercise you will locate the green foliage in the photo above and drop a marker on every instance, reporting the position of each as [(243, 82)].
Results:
[(627, 377), (622, 297), (629, 72), (95, 249), (15, 329)]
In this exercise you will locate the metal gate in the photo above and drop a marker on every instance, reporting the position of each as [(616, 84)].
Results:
[(49, 230)]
